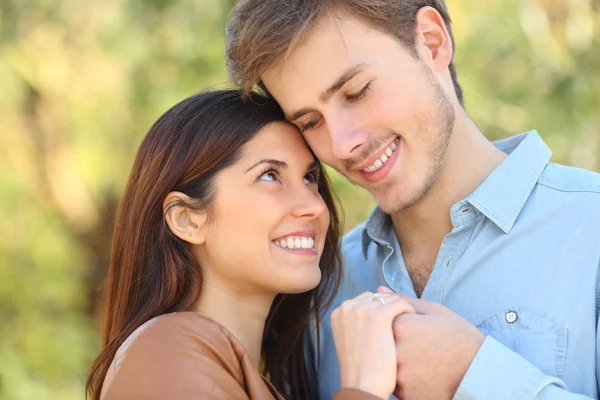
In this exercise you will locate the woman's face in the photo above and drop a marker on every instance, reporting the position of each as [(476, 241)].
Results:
[(269, 222)]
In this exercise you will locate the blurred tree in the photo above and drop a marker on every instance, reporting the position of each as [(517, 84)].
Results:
[(81, 82), (533, 64)]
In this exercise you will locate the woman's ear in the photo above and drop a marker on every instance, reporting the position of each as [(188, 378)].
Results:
[(185, 223)]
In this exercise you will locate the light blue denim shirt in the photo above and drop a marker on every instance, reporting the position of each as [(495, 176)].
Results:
[(521, 263)]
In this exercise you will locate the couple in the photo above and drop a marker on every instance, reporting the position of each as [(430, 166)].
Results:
[(225, 257)]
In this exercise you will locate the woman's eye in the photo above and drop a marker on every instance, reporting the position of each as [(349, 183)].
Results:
[(311, 178), (269, 176)]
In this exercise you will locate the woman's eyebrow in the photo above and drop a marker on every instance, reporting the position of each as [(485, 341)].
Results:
[(314, 164), (279, 163)]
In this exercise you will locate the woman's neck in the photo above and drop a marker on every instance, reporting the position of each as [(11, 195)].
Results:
[(243, 316)]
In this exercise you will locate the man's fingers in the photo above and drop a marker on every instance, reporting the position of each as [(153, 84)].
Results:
[(420, 306), (384, 289)]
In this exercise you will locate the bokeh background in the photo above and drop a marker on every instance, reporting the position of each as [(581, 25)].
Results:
[(82, 81)]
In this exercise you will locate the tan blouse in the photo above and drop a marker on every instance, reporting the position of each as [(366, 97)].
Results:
[(186, 356)]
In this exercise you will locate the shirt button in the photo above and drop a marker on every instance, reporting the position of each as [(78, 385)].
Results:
[(448, 261), (511, 317)]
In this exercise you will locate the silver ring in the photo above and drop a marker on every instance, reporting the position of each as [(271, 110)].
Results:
[(378, 297)]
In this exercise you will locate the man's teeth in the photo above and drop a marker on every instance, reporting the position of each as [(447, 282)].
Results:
[(296, 242), (384, 157)]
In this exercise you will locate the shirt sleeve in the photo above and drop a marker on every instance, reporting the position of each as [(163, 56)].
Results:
[(354, 394), (598, 330), (499, 373), (167, 361)]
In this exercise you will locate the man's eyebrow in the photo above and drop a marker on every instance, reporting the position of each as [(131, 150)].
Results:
[(341, 81), (279, 163), (331, 90), (299, 113)]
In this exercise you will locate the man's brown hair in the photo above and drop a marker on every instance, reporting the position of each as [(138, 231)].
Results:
[(261, 32)]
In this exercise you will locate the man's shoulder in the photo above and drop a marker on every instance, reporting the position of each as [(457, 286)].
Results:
[(567, 179), (359, 273), (352, 242), (568, 193)]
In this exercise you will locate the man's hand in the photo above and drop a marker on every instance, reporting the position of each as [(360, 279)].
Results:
[(434, 347)]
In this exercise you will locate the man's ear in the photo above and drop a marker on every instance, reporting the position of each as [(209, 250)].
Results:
[(433, 38), (185, 223)]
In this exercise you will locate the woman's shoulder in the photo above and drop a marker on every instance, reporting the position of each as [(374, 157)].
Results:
[(176, 352), (188, 324), (184, 331)]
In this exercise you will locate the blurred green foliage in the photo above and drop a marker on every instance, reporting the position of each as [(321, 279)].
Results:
[(81, 82)]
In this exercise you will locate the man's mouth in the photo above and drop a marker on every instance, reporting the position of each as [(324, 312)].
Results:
[(383, 158)]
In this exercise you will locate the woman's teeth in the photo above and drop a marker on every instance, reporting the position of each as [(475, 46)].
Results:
[(296, 242), (383, 158)]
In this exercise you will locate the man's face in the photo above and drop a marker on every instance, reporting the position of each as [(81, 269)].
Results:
[(367, 108)]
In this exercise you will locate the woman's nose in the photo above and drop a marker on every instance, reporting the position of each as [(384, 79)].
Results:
[(308, 203)]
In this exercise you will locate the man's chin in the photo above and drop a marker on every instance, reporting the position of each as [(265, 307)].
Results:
[(390, 206), (393, 205)]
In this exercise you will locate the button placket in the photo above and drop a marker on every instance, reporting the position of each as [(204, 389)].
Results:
[(434, 290), (462, 213), (390, 274), (448, 261), (511, 317)]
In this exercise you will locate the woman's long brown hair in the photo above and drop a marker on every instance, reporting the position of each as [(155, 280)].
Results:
[(152, 272)]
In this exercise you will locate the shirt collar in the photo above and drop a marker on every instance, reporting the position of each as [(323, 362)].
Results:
[(500, 197), (376, 228), (505, 191)]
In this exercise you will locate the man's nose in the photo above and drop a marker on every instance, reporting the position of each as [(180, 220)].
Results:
[(346, 137)]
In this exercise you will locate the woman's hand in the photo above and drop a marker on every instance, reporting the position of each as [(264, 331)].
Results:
[(364, 341)]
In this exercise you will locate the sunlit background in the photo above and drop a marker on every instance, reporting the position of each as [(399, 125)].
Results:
[(81, 82)]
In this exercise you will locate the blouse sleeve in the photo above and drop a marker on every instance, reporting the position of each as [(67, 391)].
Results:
[(354, 394), (169, 360)]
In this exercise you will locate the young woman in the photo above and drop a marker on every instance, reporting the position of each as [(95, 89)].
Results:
[(225, 243)]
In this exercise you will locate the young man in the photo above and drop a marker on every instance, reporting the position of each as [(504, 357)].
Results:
[(492, 231)]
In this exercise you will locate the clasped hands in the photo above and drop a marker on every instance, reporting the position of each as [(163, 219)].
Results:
[(390, 343)]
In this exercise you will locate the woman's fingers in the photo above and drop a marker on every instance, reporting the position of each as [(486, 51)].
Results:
[(364, 340), (395, 306)]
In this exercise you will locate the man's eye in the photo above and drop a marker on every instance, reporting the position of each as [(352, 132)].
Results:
[(309, 125), (269, 176), (358, 95)]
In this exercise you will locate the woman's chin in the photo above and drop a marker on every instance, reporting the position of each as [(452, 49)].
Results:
[(300, 284)]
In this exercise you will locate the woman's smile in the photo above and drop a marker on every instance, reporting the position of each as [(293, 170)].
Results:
[(301, 242)]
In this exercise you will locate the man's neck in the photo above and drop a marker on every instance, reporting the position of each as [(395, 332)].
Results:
[(243, 316), (470, 159)]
